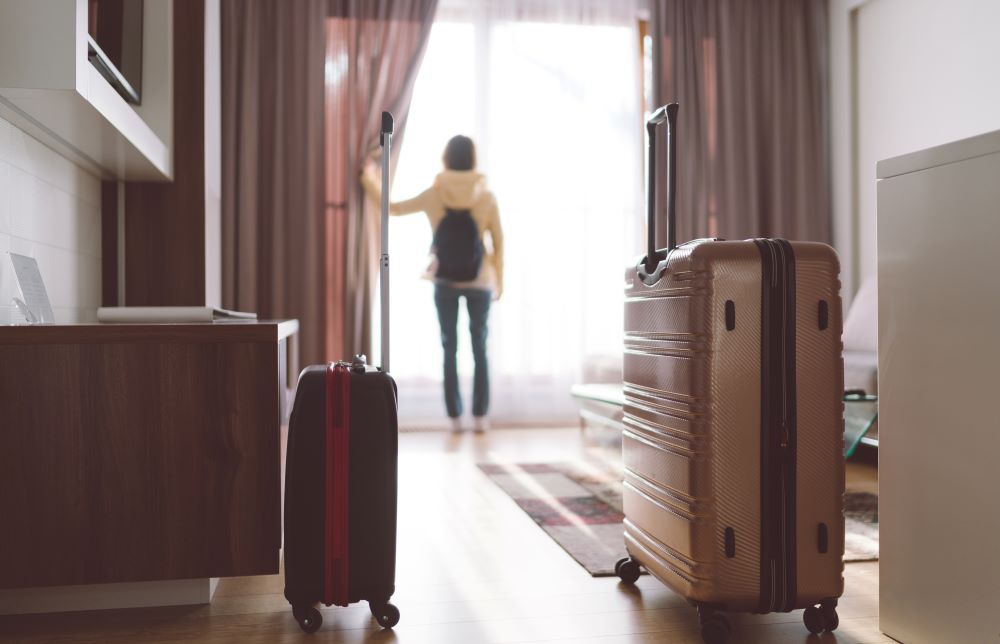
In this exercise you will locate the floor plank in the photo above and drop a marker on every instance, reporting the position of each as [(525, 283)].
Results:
[(472, 567)]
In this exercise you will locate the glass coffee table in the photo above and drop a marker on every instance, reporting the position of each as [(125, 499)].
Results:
[(601, 405), (860, 417)]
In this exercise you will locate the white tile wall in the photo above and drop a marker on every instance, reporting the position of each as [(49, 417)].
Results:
[(50, 209)]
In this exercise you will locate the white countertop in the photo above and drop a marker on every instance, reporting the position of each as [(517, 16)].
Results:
[(975, 146)]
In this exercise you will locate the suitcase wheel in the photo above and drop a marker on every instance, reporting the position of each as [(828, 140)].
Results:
[(823, 618), (386, 614), (830, 618), (812, 617), (627, 570), (715, 628), (309, 618)]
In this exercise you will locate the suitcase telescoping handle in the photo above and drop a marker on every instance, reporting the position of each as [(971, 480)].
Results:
[(385, 137), (666, 113)]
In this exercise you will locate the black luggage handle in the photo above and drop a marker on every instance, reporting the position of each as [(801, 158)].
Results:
[(666, 113), (386, 127)]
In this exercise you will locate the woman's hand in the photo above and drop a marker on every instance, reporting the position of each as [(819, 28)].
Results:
[(372, 172), (371, 180)]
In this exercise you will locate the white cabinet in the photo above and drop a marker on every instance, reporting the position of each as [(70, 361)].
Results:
[(49, 89), (939, 387)]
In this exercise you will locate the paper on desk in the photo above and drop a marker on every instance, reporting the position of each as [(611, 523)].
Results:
[(154, 314)]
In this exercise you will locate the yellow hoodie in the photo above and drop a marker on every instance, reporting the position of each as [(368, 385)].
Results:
[(459, 189)]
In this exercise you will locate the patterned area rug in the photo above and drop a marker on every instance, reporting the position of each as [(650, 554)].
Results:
[(861, 534), (579, 506)]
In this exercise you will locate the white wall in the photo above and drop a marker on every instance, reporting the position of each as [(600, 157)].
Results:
[(50, 209), (906, 75)]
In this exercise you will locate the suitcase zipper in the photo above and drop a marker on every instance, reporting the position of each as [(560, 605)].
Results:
[(338, 415), (788, 425), (777, 582), (780, 288), (767, 563)]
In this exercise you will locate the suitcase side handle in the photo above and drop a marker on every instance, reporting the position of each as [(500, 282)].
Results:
[(666, 113)]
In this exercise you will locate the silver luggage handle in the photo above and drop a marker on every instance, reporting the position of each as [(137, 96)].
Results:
[(385, 138)]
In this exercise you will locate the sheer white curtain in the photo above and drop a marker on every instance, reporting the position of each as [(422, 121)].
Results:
[(550, 92)]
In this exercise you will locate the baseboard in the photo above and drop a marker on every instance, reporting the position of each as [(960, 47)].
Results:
[(62, 599), (443, 425)]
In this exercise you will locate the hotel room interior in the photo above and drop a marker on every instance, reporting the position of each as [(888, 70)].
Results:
[(207, 156)]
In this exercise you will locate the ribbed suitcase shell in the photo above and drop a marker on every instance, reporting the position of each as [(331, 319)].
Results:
[(373, 460), (692, 439)]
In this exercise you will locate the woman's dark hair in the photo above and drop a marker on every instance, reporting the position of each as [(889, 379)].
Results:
[(460, 153)]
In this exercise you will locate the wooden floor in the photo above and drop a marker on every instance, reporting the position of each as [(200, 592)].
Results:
[(472, 568)]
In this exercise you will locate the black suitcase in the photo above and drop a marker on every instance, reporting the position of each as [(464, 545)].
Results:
[(341, 477)]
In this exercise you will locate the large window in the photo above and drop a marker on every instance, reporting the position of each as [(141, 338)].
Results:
[(555, 112)]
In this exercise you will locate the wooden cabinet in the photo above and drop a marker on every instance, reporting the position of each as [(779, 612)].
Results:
[(140, 452)]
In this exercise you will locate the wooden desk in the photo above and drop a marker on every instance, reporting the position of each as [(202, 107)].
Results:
[(140, 452)]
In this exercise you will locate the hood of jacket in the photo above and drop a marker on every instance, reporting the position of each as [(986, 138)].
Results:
[(461, 188)]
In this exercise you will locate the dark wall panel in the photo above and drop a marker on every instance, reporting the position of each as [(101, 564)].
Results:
[(165, 222)]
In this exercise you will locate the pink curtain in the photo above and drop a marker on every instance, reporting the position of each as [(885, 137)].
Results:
[(303, 86), (272, 164), (750, 77), (373, 52)]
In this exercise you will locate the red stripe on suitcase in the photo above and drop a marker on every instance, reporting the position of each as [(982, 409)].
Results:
[(338, 415)]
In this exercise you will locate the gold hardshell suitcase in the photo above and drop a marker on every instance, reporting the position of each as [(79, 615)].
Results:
[(733, 424)]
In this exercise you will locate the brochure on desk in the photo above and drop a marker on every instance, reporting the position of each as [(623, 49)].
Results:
[(153, 314), (35, 305)]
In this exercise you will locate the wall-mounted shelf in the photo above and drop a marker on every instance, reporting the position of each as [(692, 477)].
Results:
[(49, 89)]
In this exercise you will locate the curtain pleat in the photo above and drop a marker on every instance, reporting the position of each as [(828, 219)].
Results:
[(750, 77), (373, 53), (304, 84), (272, 164)]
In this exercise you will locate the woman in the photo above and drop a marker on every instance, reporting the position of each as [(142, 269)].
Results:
[(461, 211)]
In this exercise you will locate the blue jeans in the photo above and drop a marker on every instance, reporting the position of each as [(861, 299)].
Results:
[(477, 301)]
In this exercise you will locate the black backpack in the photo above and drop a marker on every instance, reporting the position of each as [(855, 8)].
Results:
[(458, 246)]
